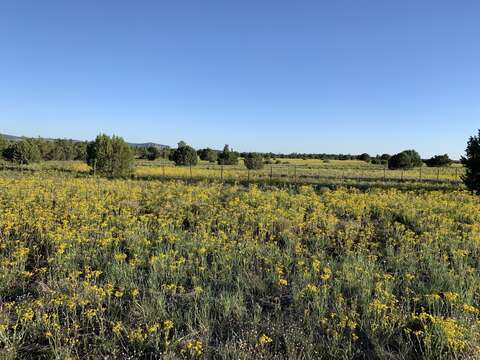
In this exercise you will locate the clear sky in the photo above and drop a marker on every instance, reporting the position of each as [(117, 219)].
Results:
[(336, 76)]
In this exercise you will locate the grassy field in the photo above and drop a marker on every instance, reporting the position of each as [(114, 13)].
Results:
[(296, 171), (293, 170), (92, 268)]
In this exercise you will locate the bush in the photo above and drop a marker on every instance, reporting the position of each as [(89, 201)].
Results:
[(407, 159), (22, 152), (3, 145), (150, 153), (364, 157), (228, 157), (184, 155), (110, 156), (471, 161), (439, 161), (208, 155), (253, 161)]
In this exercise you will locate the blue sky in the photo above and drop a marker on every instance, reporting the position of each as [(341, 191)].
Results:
[(343, 76)]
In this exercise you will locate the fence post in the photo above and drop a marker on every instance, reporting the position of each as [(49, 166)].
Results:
[(163, 169), (248, 175), (191, 172), (221, 172), (295, 172), (456, 173), (438, 174), (384, 172), (420, 173), (402, 175), (271, 173)]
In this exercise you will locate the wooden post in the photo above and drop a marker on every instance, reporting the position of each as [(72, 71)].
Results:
[(402, 175), (438, 174), (190, 171), (456, 173), (420, 173), (248, 175), (384, 172), (295, 172), (94, 167), (271, 173), (221, 172), (163, 168)]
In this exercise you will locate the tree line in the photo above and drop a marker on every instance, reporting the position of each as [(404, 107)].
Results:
[(113, 157), (30, 150)]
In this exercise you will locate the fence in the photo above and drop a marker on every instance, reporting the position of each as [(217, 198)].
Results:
[(296, 173)]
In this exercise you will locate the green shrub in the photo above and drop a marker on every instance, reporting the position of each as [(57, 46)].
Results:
[(407, 159), (151, 153), (228, 157), (110, 156), (22, 152), (253, 161), (184, 155), (208, 155), (439, 161), (364, 157)]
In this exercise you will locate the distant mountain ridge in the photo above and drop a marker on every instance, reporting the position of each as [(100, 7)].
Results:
[(148, 144), (136, 145), (10, 137)]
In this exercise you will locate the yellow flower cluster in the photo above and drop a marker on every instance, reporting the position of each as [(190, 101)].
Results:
[(143, 266)]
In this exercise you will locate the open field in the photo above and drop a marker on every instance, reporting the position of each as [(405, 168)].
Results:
[(92, 268), (297, 171)]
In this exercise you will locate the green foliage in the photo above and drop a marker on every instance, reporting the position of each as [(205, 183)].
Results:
[(61, 150), (253, 161), (3, 145), (471, 161), (407, 159), (22, 152), (364, 157), (208, 155), (184, 155), (439, 161), (228, 157), (149, 153), (110, 156), (181, 143)]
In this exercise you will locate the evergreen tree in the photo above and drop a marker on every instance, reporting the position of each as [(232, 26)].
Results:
[(227, 157), (253, 161), (471, 161), (22, 152), (110, 156), (184, 155)]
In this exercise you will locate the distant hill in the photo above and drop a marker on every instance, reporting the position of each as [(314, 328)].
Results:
[(10, 137), (148, 144), (135, 145)]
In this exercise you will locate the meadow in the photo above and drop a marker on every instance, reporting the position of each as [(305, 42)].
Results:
[(299, 170), (321, 173), (124, 269)]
